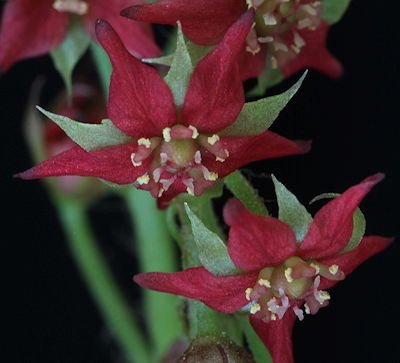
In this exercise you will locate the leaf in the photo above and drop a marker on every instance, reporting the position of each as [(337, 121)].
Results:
[(89, 136), (359, 223), (244, 191), (212, 251), (180, 71), (67, 54), (333, 10), (291, 211), (258, 116)]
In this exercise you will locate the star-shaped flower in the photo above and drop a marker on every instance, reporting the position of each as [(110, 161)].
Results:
[(32, 28), (280, 275), (164, 147), (290, 33)]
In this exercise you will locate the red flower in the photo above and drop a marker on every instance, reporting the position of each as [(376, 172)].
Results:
[(172, 150), (280, 275), (290, 32), (31, 28)]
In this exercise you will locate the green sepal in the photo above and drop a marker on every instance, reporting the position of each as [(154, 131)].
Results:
[(333, 10), (165, 60), (269, 78), (197, 52), (291, 211), (180, 71), (359, 223), (89, 136), (258, 116), (69, 52), (244, 191), (212, 251)]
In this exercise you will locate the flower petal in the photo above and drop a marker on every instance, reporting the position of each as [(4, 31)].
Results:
[(140, 102), (223, 293), (332, 226), (137, 37), (29, 29), (314, 54), (252, 65), (211, 109), (244, 150), (203, 21), (349, 261), (256, 241), (111, 163), (277, 336)]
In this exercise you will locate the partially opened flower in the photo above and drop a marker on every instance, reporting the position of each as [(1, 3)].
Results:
[(290, 34), (172, 142), (32, 28), (282, 267)]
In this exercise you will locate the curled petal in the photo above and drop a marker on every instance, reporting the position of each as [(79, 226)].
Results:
[(256, 241), (223, 293)]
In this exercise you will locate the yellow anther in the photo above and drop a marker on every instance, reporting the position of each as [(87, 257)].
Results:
[(219, 159), (144, 179), (333, 269), (295, 49), (248, 293), (288, 274), (253, 51), (145, 142), (324, 295), (307, 309), (195, 132), (273, 316), (135, 163), (75, 6), (264, 282), (167, 134), (189, 191), (315, 267), (160, 192), (255, 308), (274, 63), (226, 151), (213, 139), (213, 176), (249, 3)]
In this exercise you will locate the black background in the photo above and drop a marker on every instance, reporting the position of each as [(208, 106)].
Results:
[(354, 126)]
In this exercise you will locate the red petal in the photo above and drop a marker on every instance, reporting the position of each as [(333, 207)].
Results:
[(349, 261), (255, 241), (212, 109), (29, 29), (332, 226), (314, 54), (244, 150), (252, 65), (203, 21), (137, 37), (223, 293), (140, 102), (277, 336), (111, 163)]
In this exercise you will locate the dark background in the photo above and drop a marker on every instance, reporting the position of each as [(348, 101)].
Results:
[(354, 126)]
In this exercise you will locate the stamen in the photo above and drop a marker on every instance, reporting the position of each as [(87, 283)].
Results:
[(219, 159), (145, 142), (167, 134), (213, 176), (265, 39), (269, 19), (248, 293), (133, 160), (76, 7), (163, 158), (288, 273), (309, 9), (273, 316), (298, 312), (213, 139), (160, 192), (316, 267), (274, 63), (255, 308), (264, 282), (281, 46), (304, 23), (333, 269), (189, 186), (144, 179), (307, 309), (195, 132), (197, 157)]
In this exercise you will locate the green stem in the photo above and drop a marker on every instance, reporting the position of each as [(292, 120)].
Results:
[(244, 191), (99, 280), (156, 252)]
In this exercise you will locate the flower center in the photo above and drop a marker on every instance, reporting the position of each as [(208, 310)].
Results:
[(277, 24), (178, 155), (71, 6), (293, 283)]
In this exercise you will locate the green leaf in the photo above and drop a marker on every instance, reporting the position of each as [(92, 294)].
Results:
[(180, 71), (359, 223), (291, 211), (257, 347), (244, 191), (333, 10), (89, 136), (212, 251), (258, 116), (67, 54), (269, 78)]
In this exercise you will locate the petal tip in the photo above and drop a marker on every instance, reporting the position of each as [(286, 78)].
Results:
[(130, 11)]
